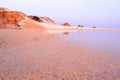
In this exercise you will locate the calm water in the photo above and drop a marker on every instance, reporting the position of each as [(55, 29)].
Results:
[(95, 40), (79, 55)]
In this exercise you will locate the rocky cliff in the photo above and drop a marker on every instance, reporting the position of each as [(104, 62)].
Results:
[(10, 19), (3, 9)]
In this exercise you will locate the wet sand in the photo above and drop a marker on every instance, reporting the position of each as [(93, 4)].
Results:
[(36, 55)]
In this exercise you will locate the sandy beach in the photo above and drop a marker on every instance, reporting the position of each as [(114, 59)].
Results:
[(39, 55), (60, 40)]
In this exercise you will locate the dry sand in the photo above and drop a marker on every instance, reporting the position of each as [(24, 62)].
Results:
[(36, 55), (31, 24)]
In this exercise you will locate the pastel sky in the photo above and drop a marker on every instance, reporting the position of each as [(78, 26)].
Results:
[(101, 13)]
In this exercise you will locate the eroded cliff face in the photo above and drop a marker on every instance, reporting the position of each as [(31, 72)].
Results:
[(10, 19), (42, 19), (3, 9)]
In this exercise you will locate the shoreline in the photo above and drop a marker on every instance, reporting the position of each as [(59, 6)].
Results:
[(31, 54)]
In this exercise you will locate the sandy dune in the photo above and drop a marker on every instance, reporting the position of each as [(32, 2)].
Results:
[(31, 24)]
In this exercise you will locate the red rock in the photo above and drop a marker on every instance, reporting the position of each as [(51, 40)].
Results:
[(80, 26), (10, 18), (66, 24), (94, 26)]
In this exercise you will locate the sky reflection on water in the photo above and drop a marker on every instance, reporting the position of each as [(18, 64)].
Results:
[(95, 39)]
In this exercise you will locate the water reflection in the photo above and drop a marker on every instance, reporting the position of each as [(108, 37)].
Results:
[(95, 39), (66, 33)]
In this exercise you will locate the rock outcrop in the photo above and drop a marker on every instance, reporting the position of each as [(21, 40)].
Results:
[(47, 20), (42, 19), (66, 24), (10, 19), (94, 27), (36, 18), (80, 26)]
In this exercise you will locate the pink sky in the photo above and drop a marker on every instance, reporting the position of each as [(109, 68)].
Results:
[(101, 13)]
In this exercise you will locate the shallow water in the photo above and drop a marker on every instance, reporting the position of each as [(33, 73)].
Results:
[(79, 55), (95, 40)]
